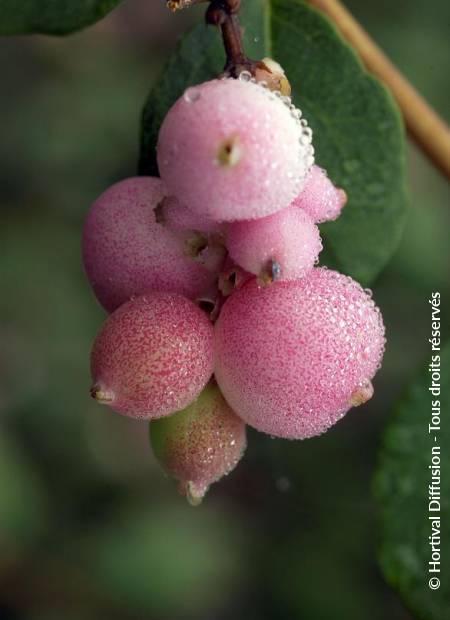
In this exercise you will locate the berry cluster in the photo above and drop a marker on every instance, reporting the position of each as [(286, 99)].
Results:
[(219, 316)]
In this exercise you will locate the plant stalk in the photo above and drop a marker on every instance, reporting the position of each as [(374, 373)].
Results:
[(224, 14)]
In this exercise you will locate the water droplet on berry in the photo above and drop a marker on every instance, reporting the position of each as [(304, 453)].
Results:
[(245, 76), (191, 95)]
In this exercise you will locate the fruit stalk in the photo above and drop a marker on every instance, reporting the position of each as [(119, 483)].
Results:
[(224, 14)]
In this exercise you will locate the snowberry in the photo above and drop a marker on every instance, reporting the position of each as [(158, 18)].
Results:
[(179, 218), (292, 358), (319, 197), (281, 246), (200, 444), (153, 356), (127, 252), (232, 150)]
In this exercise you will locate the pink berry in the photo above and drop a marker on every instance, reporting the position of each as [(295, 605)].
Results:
[(281, 246), (200, 444), (320, 198), (232, 150), (153, 356), (292, 358), (179, 218), (127, 252)]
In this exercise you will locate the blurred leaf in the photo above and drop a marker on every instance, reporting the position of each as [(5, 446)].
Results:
[(104, 103), (47, 320), (23, 502), (358, 134), (174, 560), (51, 16), (57, 614), (401, 487)]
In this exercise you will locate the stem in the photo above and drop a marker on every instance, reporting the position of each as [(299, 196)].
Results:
[(232, 39), (224, 14), (424, 125)]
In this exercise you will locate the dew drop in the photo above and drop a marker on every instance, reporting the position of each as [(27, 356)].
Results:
[(191, 95), (245, 76)]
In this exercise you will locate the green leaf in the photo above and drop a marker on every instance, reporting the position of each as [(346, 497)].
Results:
[(358, 133), (170, 562), (401, 488), (23, 500), (51, 16)]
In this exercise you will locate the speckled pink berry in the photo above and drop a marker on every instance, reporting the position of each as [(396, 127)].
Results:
[(320, 198), (292, 358), (127, 252), (282, 246), (179, 218), (153, 356), (233, 150), (200, 444)]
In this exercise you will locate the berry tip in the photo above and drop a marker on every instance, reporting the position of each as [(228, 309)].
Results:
[(103, 397)]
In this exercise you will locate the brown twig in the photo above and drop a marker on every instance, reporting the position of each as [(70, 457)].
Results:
[(426, 128), (224, 14)]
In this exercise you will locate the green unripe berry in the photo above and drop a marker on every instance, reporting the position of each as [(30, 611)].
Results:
[(199, 444)]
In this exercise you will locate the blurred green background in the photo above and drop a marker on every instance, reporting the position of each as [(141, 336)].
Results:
[(89, 527)]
